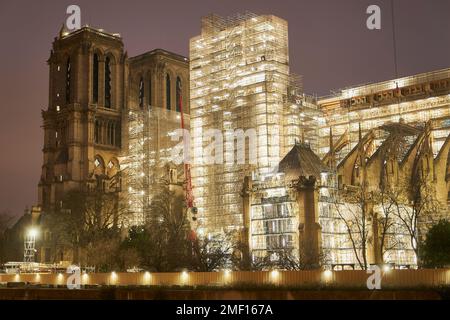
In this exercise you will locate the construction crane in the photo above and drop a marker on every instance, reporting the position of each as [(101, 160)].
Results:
[(189, 196)]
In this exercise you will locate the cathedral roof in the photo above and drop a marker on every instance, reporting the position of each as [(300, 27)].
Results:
[(160, 52), (399, 142), (301, 161), (88, 30)]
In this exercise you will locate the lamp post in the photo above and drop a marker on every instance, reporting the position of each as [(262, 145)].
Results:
[(30, 246)]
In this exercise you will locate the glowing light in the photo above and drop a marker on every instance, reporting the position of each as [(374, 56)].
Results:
[(85, 278), (227, 276), (184, 276), (113, 276), (274, 274), (147, 277), (386, 268), (328, 274), (32, 232), (38, 277)]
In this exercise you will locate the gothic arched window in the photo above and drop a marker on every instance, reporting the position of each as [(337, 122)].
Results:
[(168, 102), (95, 79), (108, 82), (68, 80), (99, 166), (141, 93), (179, 95), (112, 168)]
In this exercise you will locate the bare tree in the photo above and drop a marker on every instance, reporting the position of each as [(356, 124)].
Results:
[(415, 208), (149, 244), (86, 216), (168, 214), (286, 259), (370, 219), (242, 259), (56, 223), (213, 252), (162, 243), (389, 229), (5, 221), (108, 255), (353, 209)]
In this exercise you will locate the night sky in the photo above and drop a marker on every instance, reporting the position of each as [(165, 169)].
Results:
[(329, 45)]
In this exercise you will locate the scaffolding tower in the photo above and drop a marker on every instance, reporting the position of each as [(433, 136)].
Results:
[(240, 80), (149, 158)]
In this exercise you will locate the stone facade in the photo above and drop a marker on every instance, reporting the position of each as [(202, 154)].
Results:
[(82, 129), (93, 86)]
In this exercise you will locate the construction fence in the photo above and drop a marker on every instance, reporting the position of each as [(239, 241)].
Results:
[(423, 278)]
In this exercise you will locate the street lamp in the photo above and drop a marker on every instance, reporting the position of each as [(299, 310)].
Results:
[(30, 245), (32, 232)]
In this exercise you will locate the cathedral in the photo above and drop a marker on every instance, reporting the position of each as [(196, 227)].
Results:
[(93, 87), (369, 157)]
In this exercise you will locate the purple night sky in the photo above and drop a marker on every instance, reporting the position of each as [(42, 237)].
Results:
[(329, 45)]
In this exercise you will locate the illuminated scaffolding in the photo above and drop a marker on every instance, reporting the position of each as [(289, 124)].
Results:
[(240, 80), (274, 217), (149, 160), (354, 111), (277, 205)]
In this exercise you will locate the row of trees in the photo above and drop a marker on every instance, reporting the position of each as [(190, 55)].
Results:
[(90, 224), (160, 252), (164, 244)]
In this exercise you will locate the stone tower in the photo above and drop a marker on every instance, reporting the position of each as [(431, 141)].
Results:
[(83, 120)]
